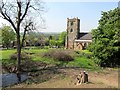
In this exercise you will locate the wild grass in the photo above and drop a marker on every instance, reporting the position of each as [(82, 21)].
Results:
[(79, 60)]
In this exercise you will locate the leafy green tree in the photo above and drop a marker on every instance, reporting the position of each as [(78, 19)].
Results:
[(52, 40), (106, 39), (46, 41), (53, 43), (41, 40), (0, 37), (62, 38), (8, 35), (57, 40)]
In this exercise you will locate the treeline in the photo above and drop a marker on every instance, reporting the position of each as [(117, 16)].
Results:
[(56, 40), (8, 39)]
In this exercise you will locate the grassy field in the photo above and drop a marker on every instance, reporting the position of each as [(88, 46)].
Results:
[(79, 60), (63, 77)]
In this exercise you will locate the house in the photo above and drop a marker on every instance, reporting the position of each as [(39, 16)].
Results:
[(75, 39)]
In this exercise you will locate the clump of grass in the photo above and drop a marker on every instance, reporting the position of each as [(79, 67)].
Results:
[(24, 56), (84, 53), (60, 55)]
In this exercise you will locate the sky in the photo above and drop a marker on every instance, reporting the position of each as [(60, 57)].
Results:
[(88, 12)]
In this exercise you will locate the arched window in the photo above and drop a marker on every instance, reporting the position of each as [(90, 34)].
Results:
[(71, 30), (71, 23)]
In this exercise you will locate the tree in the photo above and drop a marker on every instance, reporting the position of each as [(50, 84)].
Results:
[(8, 35), (62, 38), (29, 26), (16, 12), (31, 38), (52, 40), (106, 39), (41, 40), (0, 38)]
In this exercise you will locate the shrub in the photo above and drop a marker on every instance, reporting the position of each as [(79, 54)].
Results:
[(59, 55)]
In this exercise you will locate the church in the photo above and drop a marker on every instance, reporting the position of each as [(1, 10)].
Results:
[(75, 39)]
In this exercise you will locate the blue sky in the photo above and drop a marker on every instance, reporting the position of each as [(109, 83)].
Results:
[(88, 12), (57, 13)]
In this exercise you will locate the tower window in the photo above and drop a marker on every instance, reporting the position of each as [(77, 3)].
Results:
[(71, 23), (71, 30)]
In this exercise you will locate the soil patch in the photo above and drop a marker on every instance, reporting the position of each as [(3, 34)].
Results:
[(66, 78)]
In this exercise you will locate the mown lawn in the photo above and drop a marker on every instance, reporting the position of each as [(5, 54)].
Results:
[(79, 61)]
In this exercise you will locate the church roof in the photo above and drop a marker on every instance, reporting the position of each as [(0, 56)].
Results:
[(85, 36)]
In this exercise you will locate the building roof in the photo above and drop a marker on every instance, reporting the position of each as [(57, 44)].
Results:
[(78, 40), (85, 36)]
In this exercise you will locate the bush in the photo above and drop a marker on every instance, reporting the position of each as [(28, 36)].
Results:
[(59, 55)]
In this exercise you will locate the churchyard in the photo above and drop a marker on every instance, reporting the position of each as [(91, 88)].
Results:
[(45, 71), (83, 51)]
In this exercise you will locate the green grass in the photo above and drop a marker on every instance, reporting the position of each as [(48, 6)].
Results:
[(86, 51), (46, 60), (36, 51), (83, 62), (79, 61), (7, 53)]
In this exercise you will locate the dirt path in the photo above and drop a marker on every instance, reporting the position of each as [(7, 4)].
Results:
[(67, 79)]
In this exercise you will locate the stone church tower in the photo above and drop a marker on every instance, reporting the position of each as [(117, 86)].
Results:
[(73, 29)]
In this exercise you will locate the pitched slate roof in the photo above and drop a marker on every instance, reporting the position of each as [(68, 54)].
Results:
[(85, 36)]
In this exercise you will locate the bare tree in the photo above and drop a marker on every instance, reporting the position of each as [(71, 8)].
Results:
[(17, 12), (28, 25)]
